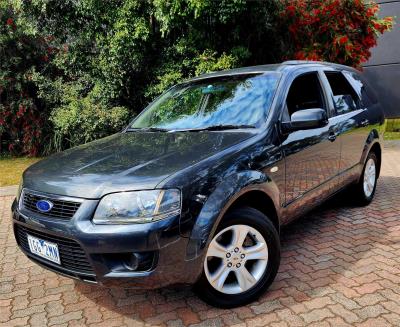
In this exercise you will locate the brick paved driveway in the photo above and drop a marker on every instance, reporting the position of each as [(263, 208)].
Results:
[(340, 266)]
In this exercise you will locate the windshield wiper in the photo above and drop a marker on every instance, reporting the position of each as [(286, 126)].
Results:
[(219, 127), (148, 129), (208, 128)]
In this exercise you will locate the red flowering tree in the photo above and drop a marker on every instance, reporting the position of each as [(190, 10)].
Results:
[(21, 115), (341, 31)]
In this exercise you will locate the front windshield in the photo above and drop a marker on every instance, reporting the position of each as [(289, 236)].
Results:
[(242, 100)]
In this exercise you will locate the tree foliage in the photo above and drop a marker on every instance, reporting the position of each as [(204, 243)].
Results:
[(127, 52), (75, 70), (340, 31), (22, 115)]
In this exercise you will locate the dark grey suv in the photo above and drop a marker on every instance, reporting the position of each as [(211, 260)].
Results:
[(196, 188)]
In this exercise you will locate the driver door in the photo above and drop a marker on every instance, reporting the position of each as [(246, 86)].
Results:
[(311, 156)]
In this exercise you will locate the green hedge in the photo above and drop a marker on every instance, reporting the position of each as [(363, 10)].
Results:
[(392, 129)]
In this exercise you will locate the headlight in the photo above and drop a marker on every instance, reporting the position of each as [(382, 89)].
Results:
[(19, 191), (138, 207)]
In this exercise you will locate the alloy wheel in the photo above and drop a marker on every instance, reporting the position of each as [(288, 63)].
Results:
[(236, 259), (369, 177)]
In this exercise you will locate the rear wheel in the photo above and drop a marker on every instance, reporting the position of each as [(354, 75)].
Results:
[(241, 260), (365, 188)]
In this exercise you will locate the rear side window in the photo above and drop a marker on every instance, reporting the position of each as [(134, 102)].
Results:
[(367, 96), (345, 97)]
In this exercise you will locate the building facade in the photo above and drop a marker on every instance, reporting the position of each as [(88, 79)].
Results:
[(383, 68)]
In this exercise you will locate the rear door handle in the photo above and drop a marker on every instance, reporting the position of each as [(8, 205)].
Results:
[(364, 122), (332, 136)]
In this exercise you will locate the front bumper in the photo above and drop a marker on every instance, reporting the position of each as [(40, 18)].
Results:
[(104, 248)]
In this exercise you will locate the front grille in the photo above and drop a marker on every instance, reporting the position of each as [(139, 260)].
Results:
[(72, 255), (61, 209)]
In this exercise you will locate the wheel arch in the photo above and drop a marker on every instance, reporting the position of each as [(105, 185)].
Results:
[(373, 144), (258, 200), (249, 188)]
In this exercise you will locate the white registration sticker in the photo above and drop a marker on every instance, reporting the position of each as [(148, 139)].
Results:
[(44, 249)]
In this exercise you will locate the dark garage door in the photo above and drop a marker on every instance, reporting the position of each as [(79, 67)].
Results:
[(383, 68)]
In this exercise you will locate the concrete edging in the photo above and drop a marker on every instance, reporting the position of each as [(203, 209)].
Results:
[(8, 190)]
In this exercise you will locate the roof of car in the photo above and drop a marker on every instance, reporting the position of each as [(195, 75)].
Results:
[(284, 66)]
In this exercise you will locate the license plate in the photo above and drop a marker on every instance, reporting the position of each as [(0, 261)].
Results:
[(44, 249)]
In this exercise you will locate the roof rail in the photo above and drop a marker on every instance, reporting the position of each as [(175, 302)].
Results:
[(310, 62), (301, 62)]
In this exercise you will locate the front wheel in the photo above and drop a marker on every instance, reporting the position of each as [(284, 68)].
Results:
[(241, 261)]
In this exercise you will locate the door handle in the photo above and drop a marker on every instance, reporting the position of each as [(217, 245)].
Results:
[(332, 136), (364, 122)]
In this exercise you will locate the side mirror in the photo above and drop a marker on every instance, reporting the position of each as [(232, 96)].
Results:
[(306, 119)]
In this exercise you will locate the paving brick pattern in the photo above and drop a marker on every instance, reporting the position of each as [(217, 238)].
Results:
[(340, 267)]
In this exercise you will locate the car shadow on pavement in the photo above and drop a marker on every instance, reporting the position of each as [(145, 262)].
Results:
[(331, 251)]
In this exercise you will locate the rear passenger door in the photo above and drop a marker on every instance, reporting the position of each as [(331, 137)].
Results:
[(351, 119)]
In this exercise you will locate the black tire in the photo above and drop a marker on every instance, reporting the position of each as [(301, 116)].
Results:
[(260, 222), (358, 192)]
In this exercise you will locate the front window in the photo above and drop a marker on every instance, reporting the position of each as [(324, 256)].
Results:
[(241, 101), (304, 93)]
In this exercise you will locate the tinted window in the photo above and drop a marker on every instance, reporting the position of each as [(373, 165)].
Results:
[(344, 96), (364, 92), (305, 93), (233, 100)]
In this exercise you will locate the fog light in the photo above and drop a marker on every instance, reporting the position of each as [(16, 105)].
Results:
[(132, 263), (139, 261)]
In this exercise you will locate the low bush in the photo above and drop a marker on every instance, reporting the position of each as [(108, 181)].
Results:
[(82, 119)]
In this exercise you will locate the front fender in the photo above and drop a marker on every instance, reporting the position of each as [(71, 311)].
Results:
[(220, 200)]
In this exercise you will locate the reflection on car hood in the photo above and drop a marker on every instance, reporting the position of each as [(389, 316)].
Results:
[(125, 161)]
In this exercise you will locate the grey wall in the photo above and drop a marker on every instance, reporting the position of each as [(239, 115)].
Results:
[(383, 68)]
